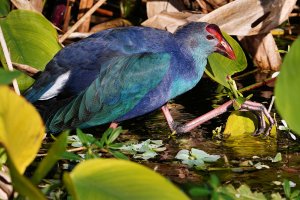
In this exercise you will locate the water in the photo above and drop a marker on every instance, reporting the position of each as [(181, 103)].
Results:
[(236, 150)]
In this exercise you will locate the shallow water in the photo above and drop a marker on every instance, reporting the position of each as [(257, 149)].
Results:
[(235, 150)]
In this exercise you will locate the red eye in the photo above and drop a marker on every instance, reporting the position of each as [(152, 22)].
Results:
[(210, 37)]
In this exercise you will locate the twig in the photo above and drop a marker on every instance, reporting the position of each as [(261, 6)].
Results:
[(79, 35), (105, 12), (69, 150), (67, 16), (251, 87), (83, 7), (257, 85), (76, 149), (30, 71), (245, 74), (8, 60), (81, 20)]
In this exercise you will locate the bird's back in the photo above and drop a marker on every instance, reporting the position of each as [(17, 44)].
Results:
[(113, 75)]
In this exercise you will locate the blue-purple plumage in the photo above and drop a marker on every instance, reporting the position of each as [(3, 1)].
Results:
[(119, 74)]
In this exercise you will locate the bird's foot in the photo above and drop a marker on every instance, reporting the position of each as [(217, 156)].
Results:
[(260, 111), (113, 125), (177, 128)]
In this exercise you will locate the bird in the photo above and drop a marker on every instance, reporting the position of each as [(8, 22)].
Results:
[(122, 73)]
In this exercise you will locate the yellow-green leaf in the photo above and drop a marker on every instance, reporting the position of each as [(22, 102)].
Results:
[(118, 179), (21, 128), (238, 132), (239, 123), (287, 88), (31, 40)]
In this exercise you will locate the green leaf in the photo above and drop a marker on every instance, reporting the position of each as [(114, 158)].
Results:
[(70, 156), (214, 181), (199, 154), (22, 184), (86, 139), (220, 66), (4, 8), (118, 179), (119, 155), (287, 188), (145, 150), (3, 156), (31, 40), (245, 193), (54, 154), (295, 195), (287, 87), (277, 158), (104, 138), (196, 157), (6, 77), (20, 135), (276, 196), (114, 135), (198, 191)]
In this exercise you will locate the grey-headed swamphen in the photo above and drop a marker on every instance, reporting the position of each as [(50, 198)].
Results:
[(122, 73)]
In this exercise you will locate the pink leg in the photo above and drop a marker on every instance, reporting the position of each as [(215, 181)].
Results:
[(216, 112), (113, 125)]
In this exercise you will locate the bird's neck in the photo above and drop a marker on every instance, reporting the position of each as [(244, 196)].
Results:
[(189, 71)]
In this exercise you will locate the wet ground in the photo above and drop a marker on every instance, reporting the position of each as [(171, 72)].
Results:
[(235, 151)]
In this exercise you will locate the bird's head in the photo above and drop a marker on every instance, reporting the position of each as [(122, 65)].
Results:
[(221, 45), (204, 38)]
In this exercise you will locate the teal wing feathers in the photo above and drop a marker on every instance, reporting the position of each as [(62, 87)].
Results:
[(114, 92)]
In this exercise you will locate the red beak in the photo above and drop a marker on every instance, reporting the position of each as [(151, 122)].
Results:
[(225, 49)]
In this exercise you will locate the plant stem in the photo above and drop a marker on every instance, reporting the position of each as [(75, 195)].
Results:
[(257, 85), (8, 60)]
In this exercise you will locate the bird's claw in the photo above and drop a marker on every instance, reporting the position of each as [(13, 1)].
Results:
[(177, 128), (260, 111)]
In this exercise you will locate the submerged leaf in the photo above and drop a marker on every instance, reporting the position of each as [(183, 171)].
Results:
[(144, 150), (195, 157), (277, 158), (183, 154)]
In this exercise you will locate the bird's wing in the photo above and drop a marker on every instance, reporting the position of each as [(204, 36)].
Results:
[(76, 66), (119, 88)]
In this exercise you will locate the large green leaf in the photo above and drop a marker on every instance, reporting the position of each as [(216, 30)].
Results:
[(287, 88), (118, 179), (220, 66), (31, 40), (21, 128), (4, 7)]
